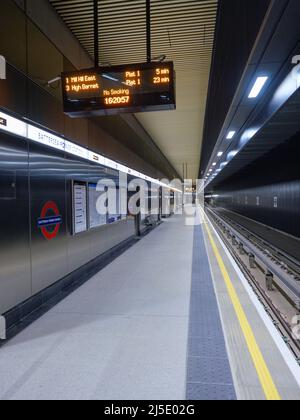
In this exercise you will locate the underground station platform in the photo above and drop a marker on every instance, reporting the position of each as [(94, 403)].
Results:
[(175, 309), (149, 203)]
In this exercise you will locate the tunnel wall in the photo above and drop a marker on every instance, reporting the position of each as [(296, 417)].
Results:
[(238, 25), (32, 175), (268, 190)]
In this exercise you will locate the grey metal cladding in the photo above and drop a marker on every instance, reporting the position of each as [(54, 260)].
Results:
[(30, 176), (15, 274), (47, 183)]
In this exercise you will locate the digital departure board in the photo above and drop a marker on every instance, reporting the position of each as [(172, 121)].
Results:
[(116, 89)]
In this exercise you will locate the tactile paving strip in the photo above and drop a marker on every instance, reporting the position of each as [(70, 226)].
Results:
[(208, 372)]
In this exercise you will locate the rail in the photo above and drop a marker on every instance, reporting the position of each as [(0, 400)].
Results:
[(284, 275)]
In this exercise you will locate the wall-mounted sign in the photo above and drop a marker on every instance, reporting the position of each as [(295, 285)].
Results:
[(13, 125), (22, 129), (79, 207), (76, 150), (3, 121), (112, 90), (50, 221), (95, 157), (45, 138)]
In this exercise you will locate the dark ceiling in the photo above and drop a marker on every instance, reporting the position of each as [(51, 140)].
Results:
[(238, 25), (282, 126)]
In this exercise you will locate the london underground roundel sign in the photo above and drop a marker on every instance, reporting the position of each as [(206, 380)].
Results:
[(50, 220)]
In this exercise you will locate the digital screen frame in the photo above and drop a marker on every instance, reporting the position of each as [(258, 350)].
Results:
[(119, 89)]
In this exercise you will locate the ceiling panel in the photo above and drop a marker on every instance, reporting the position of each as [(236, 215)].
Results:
[(283, 125), (183, 30)]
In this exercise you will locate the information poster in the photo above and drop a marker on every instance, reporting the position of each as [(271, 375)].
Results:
[(96, 219), (80, 207)]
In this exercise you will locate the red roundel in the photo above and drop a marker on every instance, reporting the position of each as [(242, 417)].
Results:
[(50, 221)]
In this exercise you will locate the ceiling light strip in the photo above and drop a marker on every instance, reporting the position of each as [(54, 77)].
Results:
[(19, 128)]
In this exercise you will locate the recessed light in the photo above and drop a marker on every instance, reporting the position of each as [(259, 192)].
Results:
[(232, 154), (258, 86), (220, 154), (230, 135)]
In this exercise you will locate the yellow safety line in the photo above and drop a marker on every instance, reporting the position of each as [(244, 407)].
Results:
[(263, 372)]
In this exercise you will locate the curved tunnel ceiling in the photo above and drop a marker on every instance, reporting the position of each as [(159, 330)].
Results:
[(184, 31), (261, 122)]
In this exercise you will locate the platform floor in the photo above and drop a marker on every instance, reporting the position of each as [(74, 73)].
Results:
[(122, 335), (157, 323), (262, 366)]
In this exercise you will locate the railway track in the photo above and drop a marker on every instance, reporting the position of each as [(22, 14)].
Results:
[(285, 260), (267, 270)]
